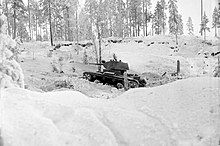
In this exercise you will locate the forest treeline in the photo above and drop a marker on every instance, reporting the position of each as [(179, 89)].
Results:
[(54, 20)]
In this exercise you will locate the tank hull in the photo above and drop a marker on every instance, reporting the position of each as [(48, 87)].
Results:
[(115, 80)]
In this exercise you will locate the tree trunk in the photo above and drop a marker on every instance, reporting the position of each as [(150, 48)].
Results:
[(121, 21), (176, 28), (204, 34), (146, 20), (47, 33), (99, 36), (128, 30), (130, 27), (152, 29), (36, 27), (176, 39), (54, 29), (65, 25), (135, 22), (7, 15), (41, 32), (201, 12), (77, 28), (133, 29), (215, 31), (163, 22), (110, 31), (158, 25), (100, 48), (51, 32), (29, 19), (21, 35), (14, 16), (95, 48), (68, 24), (143, 16)]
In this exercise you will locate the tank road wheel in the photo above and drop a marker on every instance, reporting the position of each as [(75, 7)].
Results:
[(96, 81), (120, 85), (88, 77), (133, 84)]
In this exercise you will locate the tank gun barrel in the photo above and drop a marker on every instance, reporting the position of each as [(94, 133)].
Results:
[(96, 64), (113, 65)]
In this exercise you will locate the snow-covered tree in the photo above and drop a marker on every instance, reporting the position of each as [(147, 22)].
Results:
[(164, 7), (158, 18), (179, 25), (19, 9), (85, 28), (135, 16), (10, 71), (146, 15), (97, 16), (189, 25), (201, 7), (173, 16), (215, 20), (204, 25), (175, 19)]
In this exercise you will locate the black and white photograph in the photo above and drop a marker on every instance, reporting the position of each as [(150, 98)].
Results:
[(109, 72)]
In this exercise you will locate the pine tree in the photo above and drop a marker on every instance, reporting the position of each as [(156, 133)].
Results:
[(84, 26), (18, 9), (146, 15), (164, 7), (29, 18), (158, 18), (175, 20), (190, 26), (179, 25), (201, 12), (47, 13), (215, 20), (173, 16), (50, 19), (119, 15), (204, 26), (97, 16), (135, 15), (7, 13)]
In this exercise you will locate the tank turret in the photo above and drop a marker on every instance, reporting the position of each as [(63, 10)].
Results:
[(118, 67)]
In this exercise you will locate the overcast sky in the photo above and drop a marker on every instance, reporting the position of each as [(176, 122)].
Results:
[(189, 8)]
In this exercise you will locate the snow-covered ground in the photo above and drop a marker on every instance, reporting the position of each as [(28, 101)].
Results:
[(63, 109), (151, 58), (185, 112)]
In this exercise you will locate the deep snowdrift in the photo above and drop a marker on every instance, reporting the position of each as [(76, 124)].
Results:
[(180, 113)]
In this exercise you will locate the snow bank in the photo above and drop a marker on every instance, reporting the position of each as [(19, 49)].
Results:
[(189, 107), (71, 118), (174, 114)]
